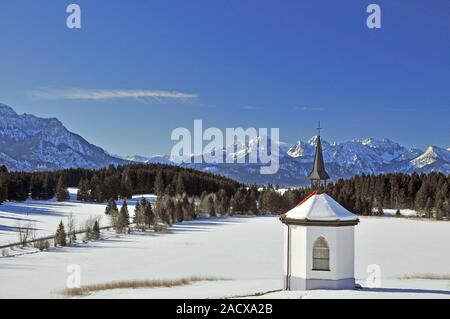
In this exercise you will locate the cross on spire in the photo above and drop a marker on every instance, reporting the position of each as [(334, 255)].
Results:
[(319, 129)]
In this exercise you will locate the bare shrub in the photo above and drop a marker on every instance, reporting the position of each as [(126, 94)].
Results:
[(72, 237), (26, 233), (89, 226), (41, 244)]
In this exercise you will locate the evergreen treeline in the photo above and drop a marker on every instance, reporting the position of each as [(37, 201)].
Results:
[(217, 195), (369, 194), (111, 182)]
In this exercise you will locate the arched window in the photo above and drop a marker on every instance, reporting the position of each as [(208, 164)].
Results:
[(321, 254)]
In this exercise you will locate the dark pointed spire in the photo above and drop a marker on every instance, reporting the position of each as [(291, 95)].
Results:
[(318, 173)]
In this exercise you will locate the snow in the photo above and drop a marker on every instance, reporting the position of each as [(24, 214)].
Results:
[(246, 251), (320, 208), (403, 212), (44, 216), (430, 156)]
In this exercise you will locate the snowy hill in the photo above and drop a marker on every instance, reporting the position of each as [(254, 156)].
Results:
[(344, 160), (31, 143)]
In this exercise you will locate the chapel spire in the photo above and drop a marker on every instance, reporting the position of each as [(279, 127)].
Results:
[(318, 175)]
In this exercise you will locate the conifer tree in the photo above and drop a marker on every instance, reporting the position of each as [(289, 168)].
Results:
[(429, 207), (179, 187), (111, 207), (179, 211), (210, 206), (139, 214), (83, 190), (60, 236), (149, 217), (170, 211), (62, 194), (170, 190), (159, 184), (126, 187), (123, 218), (3, 185), (421, 197)]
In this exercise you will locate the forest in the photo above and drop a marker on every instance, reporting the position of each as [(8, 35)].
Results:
[(211, 194), (428, 194), (112, 182)]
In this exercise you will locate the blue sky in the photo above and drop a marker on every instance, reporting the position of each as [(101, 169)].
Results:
[(232, 63)]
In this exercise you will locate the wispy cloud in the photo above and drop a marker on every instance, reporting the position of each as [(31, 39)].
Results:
[(307, 108), (98, 95)]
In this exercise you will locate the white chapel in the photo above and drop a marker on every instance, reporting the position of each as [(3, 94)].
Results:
[(319, 242)]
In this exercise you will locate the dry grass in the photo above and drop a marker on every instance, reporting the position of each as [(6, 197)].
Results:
[(425, 276), (134, 284)]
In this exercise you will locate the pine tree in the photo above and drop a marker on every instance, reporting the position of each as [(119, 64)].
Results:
[(170, 190), (111, 207), (429, 207), (210, 206), (179, 187), (126, 187), (421, 197), (251, 202), (159, 184), (170, 211), (17, 190), (36, 187), (179, 211), (123, 219), (60, 236), (149, 217), (139, 214), (3, 185), (83, 193), (62, 194), (440, 198)]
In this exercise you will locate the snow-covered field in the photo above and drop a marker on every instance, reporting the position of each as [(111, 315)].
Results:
[(44, 216), (246, 251)]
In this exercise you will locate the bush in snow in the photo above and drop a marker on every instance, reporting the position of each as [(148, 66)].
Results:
[(41, 244), (96, 231)]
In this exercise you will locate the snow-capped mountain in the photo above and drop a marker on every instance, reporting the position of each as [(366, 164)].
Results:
[(343, 160), (434, 156), (30, 143)]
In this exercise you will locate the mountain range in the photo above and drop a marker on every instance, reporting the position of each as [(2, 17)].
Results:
[(343, 160), (30, 143)]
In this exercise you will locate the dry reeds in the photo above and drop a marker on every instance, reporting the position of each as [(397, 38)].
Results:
[(134, 284), (425, 276)]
